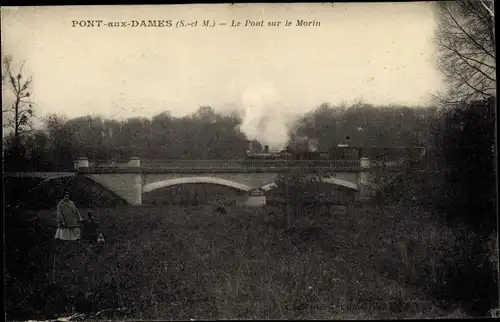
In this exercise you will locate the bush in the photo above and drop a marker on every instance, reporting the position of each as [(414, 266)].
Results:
[(458, 188), (466, 141)]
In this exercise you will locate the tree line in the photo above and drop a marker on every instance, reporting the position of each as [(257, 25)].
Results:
[(205, 134)]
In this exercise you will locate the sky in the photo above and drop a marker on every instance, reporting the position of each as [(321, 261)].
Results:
[(380, 53)]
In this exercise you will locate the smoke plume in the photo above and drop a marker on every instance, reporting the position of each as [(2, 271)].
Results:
[(264, 119)]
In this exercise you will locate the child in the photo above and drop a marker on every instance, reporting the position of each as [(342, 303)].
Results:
[(91, 230)]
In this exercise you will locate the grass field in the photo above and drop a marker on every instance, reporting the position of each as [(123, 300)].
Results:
[(191, 263)]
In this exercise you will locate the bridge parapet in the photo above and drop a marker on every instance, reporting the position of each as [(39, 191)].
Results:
[(248, 164), (223, 165), (213, 166)]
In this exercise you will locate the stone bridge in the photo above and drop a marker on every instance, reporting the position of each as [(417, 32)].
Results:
[(131, 179)]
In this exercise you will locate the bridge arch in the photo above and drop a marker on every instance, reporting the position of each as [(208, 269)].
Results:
[(186, 180), (334, 181)]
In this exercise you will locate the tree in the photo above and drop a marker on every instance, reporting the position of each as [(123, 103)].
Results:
[(136, 134), (464, 140), (162, 134), (465, 42), (63, 145), (91, 135), (205, 114), (18, 115), (36, 156), (364, 124)]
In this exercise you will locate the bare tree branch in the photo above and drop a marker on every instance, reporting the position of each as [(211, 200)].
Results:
[(469, 36), (19, 115), (466, 49), (465, 60), (490, 11)]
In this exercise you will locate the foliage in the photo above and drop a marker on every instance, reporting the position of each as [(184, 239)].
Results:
[(465, 149), (293, 190), (364, 125), (456, 184), (198, 136), (208, 135), (462, 188), (456, 176), (195, 264)]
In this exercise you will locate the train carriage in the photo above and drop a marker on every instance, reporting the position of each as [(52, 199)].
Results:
[(341, 152)]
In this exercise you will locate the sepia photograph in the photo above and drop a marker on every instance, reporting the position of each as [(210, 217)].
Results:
[(331, 161)]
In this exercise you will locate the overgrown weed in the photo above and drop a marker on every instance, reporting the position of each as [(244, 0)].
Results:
[(183, 263)]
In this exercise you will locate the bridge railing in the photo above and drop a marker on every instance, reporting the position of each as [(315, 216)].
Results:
[(247, 164), (194, 165), (226, 164), (385, 163)]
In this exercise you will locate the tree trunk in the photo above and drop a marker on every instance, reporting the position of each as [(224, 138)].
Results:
[(17, 141)]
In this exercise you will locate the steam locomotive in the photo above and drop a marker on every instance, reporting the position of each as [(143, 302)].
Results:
[(341, 152)]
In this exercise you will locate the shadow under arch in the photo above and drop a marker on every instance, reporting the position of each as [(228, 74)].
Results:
[(85, 191), (333, 181), (189, 180)]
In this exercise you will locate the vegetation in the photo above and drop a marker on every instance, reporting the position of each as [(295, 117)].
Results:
[(430, 232), (207, 135), (182, 263), (426, 246), (465, 151)]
